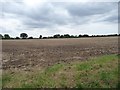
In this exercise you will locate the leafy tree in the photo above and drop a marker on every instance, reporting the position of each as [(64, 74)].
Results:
[(72, 36), (85, 35), (61, 36), (6, 36), (57, 36), (75, 36), (23, 35), (40, 37), (30, 38), (50, 37), (17, 38), (45, 37), (66, 36), (80, 35), (1, 36)]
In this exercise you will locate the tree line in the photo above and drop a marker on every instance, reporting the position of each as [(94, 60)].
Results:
[(25, 36)]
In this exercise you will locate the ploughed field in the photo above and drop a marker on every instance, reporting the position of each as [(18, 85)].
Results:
[(60, 63), (36, 53)]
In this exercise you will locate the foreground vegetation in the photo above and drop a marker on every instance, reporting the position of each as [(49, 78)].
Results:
[(98, 72)]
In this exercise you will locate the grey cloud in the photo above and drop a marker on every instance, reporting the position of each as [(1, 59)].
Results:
[(112, 19), (89, 8), (79, 13), (47, 15), (13, 8)]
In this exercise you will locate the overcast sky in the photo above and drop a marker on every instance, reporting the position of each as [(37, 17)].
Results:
[(48, 18)]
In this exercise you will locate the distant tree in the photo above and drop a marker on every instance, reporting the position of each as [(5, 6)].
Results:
[(103, 35), (75, 36), (45, 37), (72, 36), (1, 36), (114, 34), (30, 38), (23, 35), (12, 38), (17, 38), (40, 37), (66, 36), (57, 36), (80, 35), (93, 36), (50, 37), (85, 35), (61, 36), (6, 36)]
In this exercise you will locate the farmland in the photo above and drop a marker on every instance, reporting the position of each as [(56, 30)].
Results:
[(75, 62)]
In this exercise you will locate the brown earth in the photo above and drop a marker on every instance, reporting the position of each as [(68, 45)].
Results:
[(26, 54)]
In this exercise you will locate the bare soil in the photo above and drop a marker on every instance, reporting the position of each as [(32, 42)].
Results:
[(28, 54)]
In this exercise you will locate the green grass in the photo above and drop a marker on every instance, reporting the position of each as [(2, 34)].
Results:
[(98, 72), (54, 68)]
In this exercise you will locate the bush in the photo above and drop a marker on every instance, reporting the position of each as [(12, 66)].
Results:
[(23, 35), (17, 38), (30, 38), (6, 36), (1, 37)]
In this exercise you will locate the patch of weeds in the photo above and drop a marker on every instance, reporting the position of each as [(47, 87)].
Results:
[(54, 68), (63, 81), (118, 85), (104, 76), (83, 66), (108, 78), (78, 85), (22, 89), (94, 84), (1, 81), (6, 78), (106, 58), (79, 75), (27, 85), (43, 80)]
